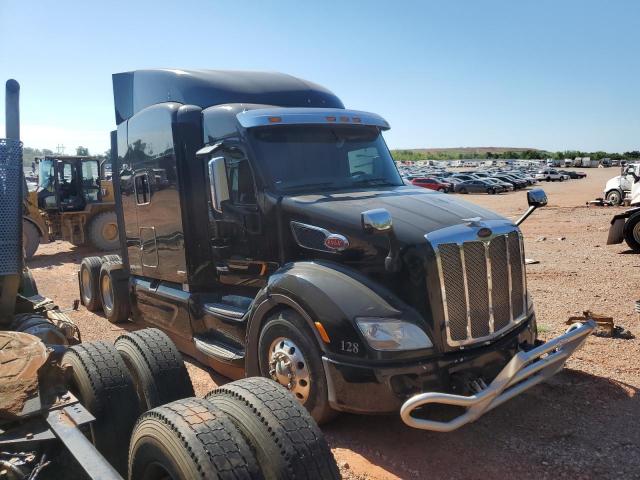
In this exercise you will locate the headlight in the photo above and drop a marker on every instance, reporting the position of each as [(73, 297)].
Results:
[(393, 334)]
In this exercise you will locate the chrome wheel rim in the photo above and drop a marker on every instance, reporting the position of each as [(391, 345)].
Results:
[(107, 293), (289, 367), (86, 284)]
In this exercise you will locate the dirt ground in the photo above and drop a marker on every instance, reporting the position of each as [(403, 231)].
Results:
[(584, 423)]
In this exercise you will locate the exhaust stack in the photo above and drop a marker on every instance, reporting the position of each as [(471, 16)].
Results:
[(12, 110)]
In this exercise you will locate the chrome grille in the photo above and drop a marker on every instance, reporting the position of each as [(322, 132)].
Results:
[(483, 286)]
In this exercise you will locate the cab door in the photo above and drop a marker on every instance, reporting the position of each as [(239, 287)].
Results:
[(238, 242)]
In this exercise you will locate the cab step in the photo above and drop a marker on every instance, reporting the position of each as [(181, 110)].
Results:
[(219, 351)]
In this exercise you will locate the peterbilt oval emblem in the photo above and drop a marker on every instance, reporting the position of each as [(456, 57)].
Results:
[(336, 242), (484, 232)]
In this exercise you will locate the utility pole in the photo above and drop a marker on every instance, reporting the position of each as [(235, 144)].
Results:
[(60, 149)]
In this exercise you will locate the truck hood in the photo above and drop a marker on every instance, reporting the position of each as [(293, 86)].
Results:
[(415, 211)]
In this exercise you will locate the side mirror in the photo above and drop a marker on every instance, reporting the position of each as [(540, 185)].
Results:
[(537, 198), (218, 183), (377, 220)]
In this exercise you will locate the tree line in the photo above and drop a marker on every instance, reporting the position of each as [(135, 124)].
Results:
[(413, 155), (30, 154)]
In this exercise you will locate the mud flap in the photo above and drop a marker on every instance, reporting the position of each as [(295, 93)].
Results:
[(616, 231)]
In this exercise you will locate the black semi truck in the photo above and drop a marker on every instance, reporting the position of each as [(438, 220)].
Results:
[(267, 230)]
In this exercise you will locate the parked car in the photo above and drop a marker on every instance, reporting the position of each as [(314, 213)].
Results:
[(477, 186), (550, 175), (573, 174), (508, 187), (523, 176), (465, 176), (516, 182), (432, 183)]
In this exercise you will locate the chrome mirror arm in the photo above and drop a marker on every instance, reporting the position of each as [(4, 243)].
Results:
[(526, 214)]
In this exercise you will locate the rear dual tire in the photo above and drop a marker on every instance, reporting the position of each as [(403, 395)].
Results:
[(114, 292), (89, 278)]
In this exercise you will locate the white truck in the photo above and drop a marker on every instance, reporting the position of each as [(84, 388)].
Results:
[(626, 226), (617, 188)]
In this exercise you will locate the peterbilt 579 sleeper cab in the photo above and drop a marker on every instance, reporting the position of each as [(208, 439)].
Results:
[(281, 241)]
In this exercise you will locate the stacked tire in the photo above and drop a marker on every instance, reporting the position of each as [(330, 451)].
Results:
[(249, 429), (140, 390)]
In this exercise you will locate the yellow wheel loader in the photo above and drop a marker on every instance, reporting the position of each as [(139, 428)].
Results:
[(73, 202)]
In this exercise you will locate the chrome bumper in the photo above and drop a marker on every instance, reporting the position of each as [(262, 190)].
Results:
[(523, 371)]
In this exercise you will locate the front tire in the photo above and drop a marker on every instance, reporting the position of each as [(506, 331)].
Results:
[(631, 232), (103, 231), (287, 347), (463, 191), (614, 198)]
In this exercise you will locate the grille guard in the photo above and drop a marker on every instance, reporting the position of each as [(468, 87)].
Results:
[(523, 371)]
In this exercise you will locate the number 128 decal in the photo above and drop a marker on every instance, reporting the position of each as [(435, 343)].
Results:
[(349, 347)]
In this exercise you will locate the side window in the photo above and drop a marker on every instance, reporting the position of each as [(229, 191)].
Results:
[(141, 186), (240, 178), (363, 161)]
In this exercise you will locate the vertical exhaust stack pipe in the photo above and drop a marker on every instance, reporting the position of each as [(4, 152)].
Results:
[(12, 109), (11, 198)]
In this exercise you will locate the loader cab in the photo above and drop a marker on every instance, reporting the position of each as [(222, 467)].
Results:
[(68, 183)]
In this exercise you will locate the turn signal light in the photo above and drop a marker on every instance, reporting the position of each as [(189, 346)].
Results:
[(322, 332)]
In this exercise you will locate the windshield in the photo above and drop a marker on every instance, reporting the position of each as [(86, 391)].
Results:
[(45, 174), (311, 158)]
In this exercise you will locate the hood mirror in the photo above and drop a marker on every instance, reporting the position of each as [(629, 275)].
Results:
[(377, 220), (536, 198)]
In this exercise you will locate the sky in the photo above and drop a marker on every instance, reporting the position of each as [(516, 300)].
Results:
[(555, 75)]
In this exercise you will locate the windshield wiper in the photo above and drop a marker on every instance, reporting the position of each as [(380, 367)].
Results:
[(306, 186), (375, 180)]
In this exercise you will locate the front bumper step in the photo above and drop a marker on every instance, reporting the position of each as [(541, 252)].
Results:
[(523, 371)]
